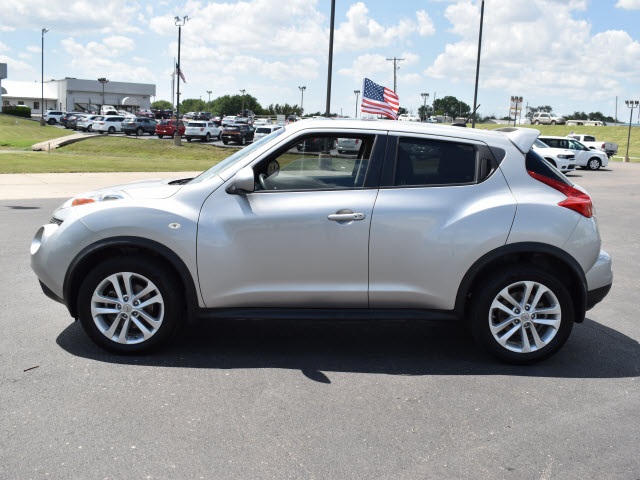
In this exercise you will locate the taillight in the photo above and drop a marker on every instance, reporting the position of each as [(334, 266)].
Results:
[(576, 199)]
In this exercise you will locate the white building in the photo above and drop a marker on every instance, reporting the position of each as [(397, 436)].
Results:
[(78, 95)]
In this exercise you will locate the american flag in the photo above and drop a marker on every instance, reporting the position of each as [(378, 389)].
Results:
[(179, 72), (379, 100)]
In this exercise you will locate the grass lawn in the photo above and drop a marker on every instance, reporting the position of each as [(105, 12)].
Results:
[(128, 154), (18, 133)]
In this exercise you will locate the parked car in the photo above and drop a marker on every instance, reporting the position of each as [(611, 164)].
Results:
[(139, 126), (53, 116), (585, 157), (168, 128), (349, 145), (317, 144), (426, 222), (408, 117), (65, 117), (202, 130), (109, 124), (72, 121), (564, 160), (263, 130), (610, 148), (545, 118), (238, 133), (86, 122)]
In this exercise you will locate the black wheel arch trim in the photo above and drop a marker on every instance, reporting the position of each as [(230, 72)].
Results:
[(126, 242), (527, 252)]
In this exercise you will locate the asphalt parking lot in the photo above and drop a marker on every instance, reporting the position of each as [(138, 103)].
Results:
[(274, 400)]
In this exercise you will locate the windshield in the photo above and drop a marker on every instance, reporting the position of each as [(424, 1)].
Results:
[(236, 157)]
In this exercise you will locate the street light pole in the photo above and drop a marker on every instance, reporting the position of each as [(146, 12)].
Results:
[(475, 92), (103, 80), (302, 89), (242, 112), (631, 104), (179, 22), (42, 122), (357, 92), (424, 105), (327, 112), (209, 92)]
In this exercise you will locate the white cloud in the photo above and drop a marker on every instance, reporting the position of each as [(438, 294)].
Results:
[(628, 4), (522, 45), (78, 16), (365, 66), (425, 24), (361, 32)]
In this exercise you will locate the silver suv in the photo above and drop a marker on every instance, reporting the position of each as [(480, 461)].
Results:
[(423, 222), (547, 119)]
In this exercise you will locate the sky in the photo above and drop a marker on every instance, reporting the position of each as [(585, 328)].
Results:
[(574, 55)]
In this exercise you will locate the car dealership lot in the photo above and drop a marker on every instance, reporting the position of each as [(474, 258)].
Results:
[(246, 399)]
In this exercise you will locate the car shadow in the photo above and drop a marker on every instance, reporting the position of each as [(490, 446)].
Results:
[(317, 348)]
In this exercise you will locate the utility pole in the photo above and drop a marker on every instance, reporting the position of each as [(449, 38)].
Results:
[(395, 69)]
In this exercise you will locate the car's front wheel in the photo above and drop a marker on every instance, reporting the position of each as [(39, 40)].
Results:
[(522, 314), (52, 121), (139, 132), (129, 305), (594, 163), (111, 130)]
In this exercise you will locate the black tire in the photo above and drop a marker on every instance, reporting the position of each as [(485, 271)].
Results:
[(90, 128), (160, 136), (553, 122), (219, 135), (523, 319), (243, 140), (207, 138), (594, 163), (139, 132), (165, 304), (537, 122), (112, 130), (52, 121), (188, 139), (225, 141)]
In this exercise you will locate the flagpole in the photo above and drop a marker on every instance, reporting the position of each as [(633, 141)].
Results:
[(180, 22)]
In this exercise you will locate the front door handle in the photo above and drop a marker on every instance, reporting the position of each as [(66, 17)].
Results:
[(346, 216)]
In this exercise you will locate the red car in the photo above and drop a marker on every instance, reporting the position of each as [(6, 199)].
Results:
[(168, 127)]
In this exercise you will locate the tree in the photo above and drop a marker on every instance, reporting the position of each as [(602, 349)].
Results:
[(578, 116), (232, 105), (161, 105), (402, 111), (451, 107), (425, 111)]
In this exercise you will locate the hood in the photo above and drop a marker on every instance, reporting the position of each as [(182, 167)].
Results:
[(142, 190)]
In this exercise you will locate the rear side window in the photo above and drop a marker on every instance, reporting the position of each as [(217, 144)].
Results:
[(424, 162), (536, 164)]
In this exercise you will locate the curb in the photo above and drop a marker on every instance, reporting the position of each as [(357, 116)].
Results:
[(60, 142)]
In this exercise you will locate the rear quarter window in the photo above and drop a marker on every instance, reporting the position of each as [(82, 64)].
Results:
[(536, 164)]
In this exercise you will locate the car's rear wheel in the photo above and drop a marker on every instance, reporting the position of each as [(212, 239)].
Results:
[(111, 130), (52, 121), (160, 136), (243, 140), (522, 314), (129, 305), (537, 122), (594, 163), (139, 132), (207, 137), (225, 141)]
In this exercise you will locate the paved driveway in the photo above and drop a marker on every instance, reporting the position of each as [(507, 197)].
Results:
[(274, 400)]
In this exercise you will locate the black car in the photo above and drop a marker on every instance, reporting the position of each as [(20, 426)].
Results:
[(238, 133), (139, 126), (64, 118)]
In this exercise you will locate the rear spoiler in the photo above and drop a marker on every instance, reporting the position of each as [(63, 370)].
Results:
[(522, 138)]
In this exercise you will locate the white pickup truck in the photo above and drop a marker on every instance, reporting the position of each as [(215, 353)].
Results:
[(590, 141)]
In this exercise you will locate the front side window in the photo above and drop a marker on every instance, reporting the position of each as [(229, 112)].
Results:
[(315, 162), (424, 162)]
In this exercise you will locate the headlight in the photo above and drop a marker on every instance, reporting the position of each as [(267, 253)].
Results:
[(562, 156), (91, 197)]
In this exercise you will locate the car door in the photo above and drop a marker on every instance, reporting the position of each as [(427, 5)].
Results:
[(300, 240), (441, 206)]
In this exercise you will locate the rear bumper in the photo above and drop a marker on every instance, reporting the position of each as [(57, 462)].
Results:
[(599, 279)]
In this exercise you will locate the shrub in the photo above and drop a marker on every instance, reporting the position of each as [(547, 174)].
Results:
[(17, 111)]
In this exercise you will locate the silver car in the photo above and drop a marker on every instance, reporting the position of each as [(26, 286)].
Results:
[(425, 222)]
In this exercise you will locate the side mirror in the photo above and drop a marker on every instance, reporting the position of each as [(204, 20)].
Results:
[(242, 182)]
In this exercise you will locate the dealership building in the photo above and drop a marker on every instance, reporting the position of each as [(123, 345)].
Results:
[(78, 95)]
